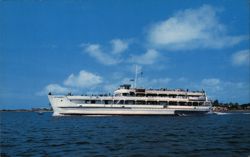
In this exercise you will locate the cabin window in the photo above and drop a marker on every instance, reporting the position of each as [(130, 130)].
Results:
[(97, 102), (182, 103), (163, 95), (195, 103), (121, 102), (152, 103), (129, 102), (151, 95), (163, 103), (140, 95), (132, 94), (172, 96), (87, 101), (140, 102), (78, 101), (201, 103), (173, 103), (140, 90)]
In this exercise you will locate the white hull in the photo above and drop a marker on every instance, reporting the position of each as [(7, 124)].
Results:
[(109, 111), (63, 106)]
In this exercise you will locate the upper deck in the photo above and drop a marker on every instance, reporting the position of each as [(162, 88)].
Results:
[(125, 90), (125, 93)]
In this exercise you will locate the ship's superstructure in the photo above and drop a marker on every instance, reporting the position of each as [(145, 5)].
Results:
[(133, 101)]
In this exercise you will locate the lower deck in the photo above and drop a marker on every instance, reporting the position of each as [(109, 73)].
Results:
[(128, 111)]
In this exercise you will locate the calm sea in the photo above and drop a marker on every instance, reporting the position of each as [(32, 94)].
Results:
[(31, 134)]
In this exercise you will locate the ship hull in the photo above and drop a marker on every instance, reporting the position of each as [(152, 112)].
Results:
[(117, 111), (63, 106)]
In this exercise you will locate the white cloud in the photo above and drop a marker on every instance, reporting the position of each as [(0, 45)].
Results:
[(226, 91), (111, 57), (153, 83), (160, 81), (210, 82), (95, 51), (83, 79), (141, 83), (118, 46), (182, 79), (192, 28), (54, 89), (241, 58), (74, 83), (110, 87), (147, 58)]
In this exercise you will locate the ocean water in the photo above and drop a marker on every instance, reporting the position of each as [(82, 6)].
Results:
[(31, 134)]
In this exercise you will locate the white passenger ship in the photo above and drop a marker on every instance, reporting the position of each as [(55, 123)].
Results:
[(133, 101)]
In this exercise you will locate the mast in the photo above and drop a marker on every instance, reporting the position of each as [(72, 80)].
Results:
[(136, 68)]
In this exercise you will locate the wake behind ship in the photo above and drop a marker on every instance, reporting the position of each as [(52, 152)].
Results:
[(133, 101)]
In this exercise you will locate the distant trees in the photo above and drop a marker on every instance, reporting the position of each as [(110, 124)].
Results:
[(231, 106), (246, 106), (216, 103)]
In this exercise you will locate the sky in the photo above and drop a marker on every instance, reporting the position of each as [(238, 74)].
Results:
[(85, 47)]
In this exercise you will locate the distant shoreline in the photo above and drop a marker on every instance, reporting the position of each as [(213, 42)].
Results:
[(232, 111), (26, 110), (22, 111)]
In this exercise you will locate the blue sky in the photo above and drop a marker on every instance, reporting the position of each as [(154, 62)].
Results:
[(93, 46)]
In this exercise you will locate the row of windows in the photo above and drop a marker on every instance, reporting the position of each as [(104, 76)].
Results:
[(136, 102), (158, 95)]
